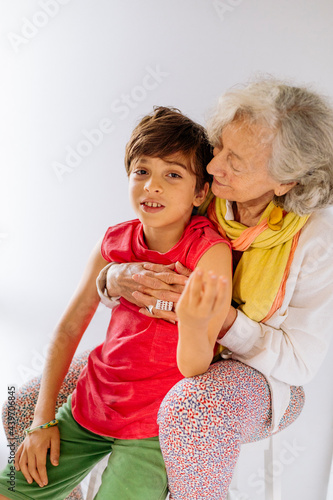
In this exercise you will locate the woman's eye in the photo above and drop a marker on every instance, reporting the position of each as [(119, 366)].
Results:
[(231, 164)]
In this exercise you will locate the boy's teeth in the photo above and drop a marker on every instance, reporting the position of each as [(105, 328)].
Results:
[(149, 204)]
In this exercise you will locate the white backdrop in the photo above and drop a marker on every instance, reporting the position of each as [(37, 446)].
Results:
[(70, 67)]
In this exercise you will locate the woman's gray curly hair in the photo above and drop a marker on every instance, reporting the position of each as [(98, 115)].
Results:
[(302, 146)]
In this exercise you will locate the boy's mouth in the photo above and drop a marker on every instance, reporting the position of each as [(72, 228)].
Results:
[(151, 206)]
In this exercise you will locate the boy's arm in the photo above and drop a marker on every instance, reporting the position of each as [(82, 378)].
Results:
[(202, 309), (31, 455)]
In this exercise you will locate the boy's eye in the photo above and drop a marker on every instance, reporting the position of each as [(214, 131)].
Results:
[(140, 171), (174, 175)]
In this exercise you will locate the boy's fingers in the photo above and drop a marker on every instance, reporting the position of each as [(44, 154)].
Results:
[(41, 470), (55, 451), (17, 457), (26, 473), (221, 293), (32, 468), (25, 467), (210, 291), (194, 287)]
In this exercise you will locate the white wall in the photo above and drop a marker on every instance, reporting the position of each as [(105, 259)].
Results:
[(70, 74)]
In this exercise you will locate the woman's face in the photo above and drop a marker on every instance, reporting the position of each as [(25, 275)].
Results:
[(240, 164)]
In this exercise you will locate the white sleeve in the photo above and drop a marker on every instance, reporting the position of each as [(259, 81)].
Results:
[(291, 346), (108, 301)]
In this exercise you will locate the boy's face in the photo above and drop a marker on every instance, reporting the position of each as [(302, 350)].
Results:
[(163, 190)]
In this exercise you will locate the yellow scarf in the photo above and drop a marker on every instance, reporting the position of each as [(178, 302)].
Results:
[(261, 274)]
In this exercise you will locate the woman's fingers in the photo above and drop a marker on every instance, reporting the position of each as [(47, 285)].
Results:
[(158, 268), (160, 281), (168, 270), (149, 297), (157, 280), (161, 268), (157, 313), (119, 279), (182, 269), (203, 294)]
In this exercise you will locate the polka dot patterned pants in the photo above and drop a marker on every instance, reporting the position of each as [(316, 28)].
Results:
[(205, 419)]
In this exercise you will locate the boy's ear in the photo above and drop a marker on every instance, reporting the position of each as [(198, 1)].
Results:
[(200, 196)]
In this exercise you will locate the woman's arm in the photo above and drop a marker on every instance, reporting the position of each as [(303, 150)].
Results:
[(31, 455), (202, 310), (291, 347)]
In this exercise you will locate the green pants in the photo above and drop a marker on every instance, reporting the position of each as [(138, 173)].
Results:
[(135, 470)]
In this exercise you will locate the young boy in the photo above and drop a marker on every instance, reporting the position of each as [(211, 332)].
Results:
[(114, 406)]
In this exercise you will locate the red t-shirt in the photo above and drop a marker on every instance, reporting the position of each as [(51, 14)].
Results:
[(120, 390)]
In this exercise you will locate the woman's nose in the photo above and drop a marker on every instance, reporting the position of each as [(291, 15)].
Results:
[(216, 165)]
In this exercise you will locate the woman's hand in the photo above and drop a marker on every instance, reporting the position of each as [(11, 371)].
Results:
[(144, 284), (229, 321), (30, 457)]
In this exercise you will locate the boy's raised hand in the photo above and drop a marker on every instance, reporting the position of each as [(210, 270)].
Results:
[(31, 455), (202, 299)]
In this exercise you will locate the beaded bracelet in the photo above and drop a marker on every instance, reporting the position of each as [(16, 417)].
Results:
[(43, 426)]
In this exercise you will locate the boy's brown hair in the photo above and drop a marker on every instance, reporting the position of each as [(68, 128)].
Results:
[(167, 131)]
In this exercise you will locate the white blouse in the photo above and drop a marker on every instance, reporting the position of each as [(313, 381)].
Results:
[(290, 347)]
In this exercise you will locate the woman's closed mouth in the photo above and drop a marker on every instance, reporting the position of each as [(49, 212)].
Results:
[(220, 183)]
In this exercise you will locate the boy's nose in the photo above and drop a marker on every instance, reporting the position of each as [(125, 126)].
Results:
[(153, 186)]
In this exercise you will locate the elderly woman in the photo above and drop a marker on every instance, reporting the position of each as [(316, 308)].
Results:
[(272, 183)]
